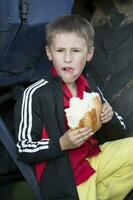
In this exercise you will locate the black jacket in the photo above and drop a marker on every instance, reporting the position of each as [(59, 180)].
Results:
[(42, 105)]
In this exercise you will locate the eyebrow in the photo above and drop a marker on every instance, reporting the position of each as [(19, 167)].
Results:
[(65, 48)]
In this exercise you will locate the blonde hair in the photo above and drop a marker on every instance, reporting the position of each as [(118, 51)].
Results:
[(70, 24)]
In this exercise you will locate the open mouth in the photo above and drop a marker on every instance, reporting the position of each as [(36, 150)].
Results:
[(68, 69)]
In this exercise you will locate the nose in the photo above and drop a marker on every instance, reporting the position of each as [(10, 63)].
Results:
[(68, 57)]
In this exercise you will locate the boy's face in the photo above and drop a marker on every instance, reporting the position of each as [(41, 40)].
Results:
[(69, 54)]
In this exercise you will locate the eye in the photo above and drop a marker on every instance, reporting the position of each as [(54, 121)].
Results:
[(76, 50), (59, 50)]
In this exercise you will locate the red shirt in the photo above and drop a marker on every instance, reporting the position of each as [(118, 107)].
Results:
[(81, 168)]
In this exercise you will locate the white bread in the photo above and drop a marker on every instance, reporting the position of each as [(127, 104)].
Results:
[(85, 112)]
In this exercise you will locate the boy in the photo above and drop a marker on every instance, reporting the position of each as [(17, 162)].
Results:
[(69, 164)]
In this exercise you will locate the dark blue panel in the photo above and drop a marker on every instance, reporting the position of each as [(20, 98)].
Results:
[(9, 26), (22, 42), (43, 11)]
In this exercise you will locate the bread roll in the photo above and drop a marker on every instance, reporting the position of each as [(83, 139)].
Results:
[(85, 112)]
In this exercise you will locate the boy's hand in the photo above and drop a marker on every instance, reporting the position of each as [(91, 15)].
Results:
[(74, 138), (107, 113)]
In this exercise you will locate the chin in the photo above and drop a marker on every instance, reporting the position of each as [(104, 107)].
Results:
[(68, 80)]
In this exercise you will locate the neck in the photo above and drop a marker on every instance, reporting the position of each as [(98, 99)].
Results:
[(72, 88)]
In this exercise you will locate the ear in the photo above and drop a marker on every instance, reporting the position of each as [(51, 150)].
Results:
[(48, 53), (90, 54)]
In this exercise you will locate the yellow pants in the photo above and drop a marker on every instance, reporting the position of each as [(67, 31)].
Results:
[(113, 179)]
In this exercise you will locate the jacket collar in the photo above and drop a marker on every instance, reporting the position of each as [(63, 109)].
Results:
[(80, 81)]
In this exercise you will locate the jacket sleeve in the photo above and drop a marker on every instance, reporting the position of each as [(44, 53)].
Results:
[(115, 129), (28, 127), (112, 130)]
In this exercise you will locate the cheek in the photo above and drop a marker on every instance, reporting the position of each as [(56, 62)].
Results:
[(55, 60), (81, 61)]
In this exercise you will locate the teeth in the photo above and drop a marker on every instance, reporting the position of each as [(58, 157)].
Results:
[(68, 69)]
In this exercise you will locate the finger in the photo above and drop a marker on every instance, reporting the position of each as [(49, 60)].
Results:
[(80, 131), (107, 114), (107, 110), (84, 138), (85, 130), (106, 119), (84, 134), (106, 107)]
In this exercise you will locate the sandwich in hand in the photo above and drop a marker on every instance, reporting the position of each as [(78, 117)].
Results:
[(85, 112)]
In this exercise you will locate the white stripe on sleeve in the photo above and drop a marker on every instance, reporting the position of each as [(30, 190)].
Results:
[(25, 143), (118, 116)]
